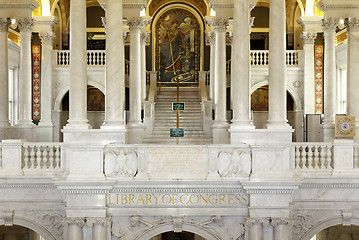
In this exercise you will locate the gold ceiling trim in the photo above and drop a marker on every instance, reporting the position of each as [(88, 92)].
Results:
[(200, 5)]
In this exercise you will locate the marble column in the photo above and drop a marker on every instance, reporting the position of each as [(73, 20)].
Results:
[(277, 117), (115, 67), (135, 126), (281, 228), (74, 228), (25, 108), (99, 227), (144, 38), (241, 66), (78, 66), (4, 73), (47, 39), (309, 72), (220, 125), (255, 226), (329, 27), (353, 70), (212, 42)]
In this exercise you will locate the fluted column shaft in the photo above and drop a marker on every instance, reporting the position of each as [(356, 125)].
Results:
[(99, 228), (144, 37), (281, 229), (240, 64), (353, 70), (115, 66), (4, 73), (47, 40), (135, 26), (220, 76), (212, 40), (277, 65), (309, 71), (329, 26), (75, 231), (78, 66), (25, 113)]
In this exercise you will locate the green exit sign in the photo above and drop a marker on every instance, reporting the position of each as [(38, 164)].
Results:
[(177, 105), (176, 132)]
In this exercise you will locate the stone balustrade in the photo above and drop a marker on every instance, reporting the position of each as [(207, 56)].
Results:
[(154, 162)]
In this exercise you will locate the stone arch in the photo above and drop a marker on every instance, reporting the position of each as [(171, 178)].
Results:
[(296, 97), (62, 92), (201, 231), (36, 227)]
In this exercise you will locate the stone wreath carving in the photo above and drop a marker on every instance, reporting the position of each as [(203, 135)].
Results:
[(303, 221), (121, 163), (235, 163)]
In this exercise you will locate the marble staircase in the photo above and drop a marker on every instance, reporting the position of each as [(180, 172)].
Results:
[(190, 119)]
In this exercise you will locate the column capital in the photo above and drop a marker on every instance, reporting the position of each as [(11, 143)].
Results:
[(308, 37), (261, 221), (77, 221), (352, 24), (47, 38), (98, 221), (5, 23), (219, 23), (144, 37), (281, 221), (210, 38), (330, 23), (136, 23), (25, 24)]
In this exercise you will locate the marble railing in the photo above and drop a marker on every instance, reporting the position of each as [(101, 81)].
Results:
[(177, 162), (313, 156)]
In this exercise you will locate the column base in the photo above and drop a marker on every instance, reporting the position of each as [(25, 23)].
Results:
[(135, 133), (74, 124), (220, 133), (119, 125)]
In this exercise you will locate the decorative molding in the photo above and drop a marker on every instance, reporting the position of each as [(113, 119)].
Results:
[(281, 221), (105, 222), (330, 185), (177, 190), (4, 24), (32, 6), (303, 220), (352, 24), (77, 221), (25, 24), (177, 224), (330, 24), (27, 186), (121, 163), (47, 38), (308, 37), (270, 191), (264, 222), (220, 24), (84, 191), (9, 218)]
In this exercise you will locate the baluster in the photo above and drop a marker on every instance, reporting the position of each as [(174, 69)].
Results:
[(67, 56), (324, 164), (355, 163), (100, 58), (88, 58), (32, 157), (329, 157), (64, 58), (304, 157), (251, 57), (263, 58), (45, 159), (297, 157), (294, 57), (96, 58), (58, 58), (51, 158), (316, 157), (38, 157), (266, 58), (310, 157), (26, 157), (57, 157), (104, 58), (286, 58)]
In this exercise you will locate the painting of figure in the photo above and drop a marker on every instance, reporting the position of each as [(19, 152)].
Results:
[(177, 51)]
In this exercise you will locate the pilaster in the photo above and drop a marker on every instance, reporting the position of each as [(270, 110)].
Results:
[(75, 226)]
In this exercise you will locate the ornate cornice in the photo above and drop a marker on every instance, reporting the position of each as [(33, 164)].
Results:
[(32, 6), (330, 185), (270, 191), (4, 24), (27, 186), (85, 191), (177, 190)]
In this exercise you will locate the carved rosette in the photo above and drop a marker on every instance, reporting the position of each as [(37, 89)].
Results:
[(330, 24), (25, 24), (4, 24), (308, 38), (47, 38), (352, 24)]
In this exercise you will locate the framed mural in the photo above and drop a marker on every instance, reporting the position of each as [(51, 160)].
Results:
[(177, 48)]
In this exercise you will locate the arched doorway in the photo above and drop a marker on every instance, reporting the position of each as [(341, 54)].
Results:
[(177, 236), (17, 232)]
